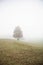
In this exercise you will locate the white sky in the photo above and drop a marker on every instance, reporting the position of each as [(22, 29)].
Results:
[(28, 14)]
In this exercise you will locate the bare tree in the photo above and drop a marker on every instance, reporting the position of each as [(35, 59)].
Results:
[(18, 33)]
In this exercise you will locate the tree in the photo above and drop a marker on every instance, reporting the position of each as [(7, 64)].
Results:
[(18, 33)]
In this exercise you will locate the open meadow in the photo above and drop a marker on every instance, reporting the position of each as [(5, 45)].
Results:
[(13, 52)]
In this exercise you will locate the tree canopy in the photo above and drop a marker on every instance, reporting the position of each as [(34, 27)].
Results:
[(18, 33)]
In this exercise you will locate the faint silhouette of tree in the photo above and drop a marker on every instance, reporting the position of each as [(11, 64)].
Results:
[(18, 33)]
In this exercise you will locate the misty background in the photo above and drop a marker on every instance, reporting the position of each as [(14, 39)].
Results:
[(28, 14)]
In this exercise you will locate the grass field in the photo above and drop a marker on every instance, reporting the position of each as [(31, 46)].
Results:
[(14, 52)]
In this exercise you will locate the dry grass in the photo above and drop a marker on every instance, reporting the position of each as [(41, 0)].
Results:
[(15, 53)]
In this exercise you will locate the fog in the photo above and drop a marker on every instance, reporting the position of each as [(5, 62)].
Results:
[(28, 14)]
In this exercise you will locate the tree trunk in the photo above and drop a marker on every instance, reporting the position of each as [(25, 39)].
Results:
[(17, 38)]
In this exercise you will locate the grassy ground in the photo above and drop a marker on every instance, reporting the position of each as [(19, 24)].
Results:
[(14, 53)]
